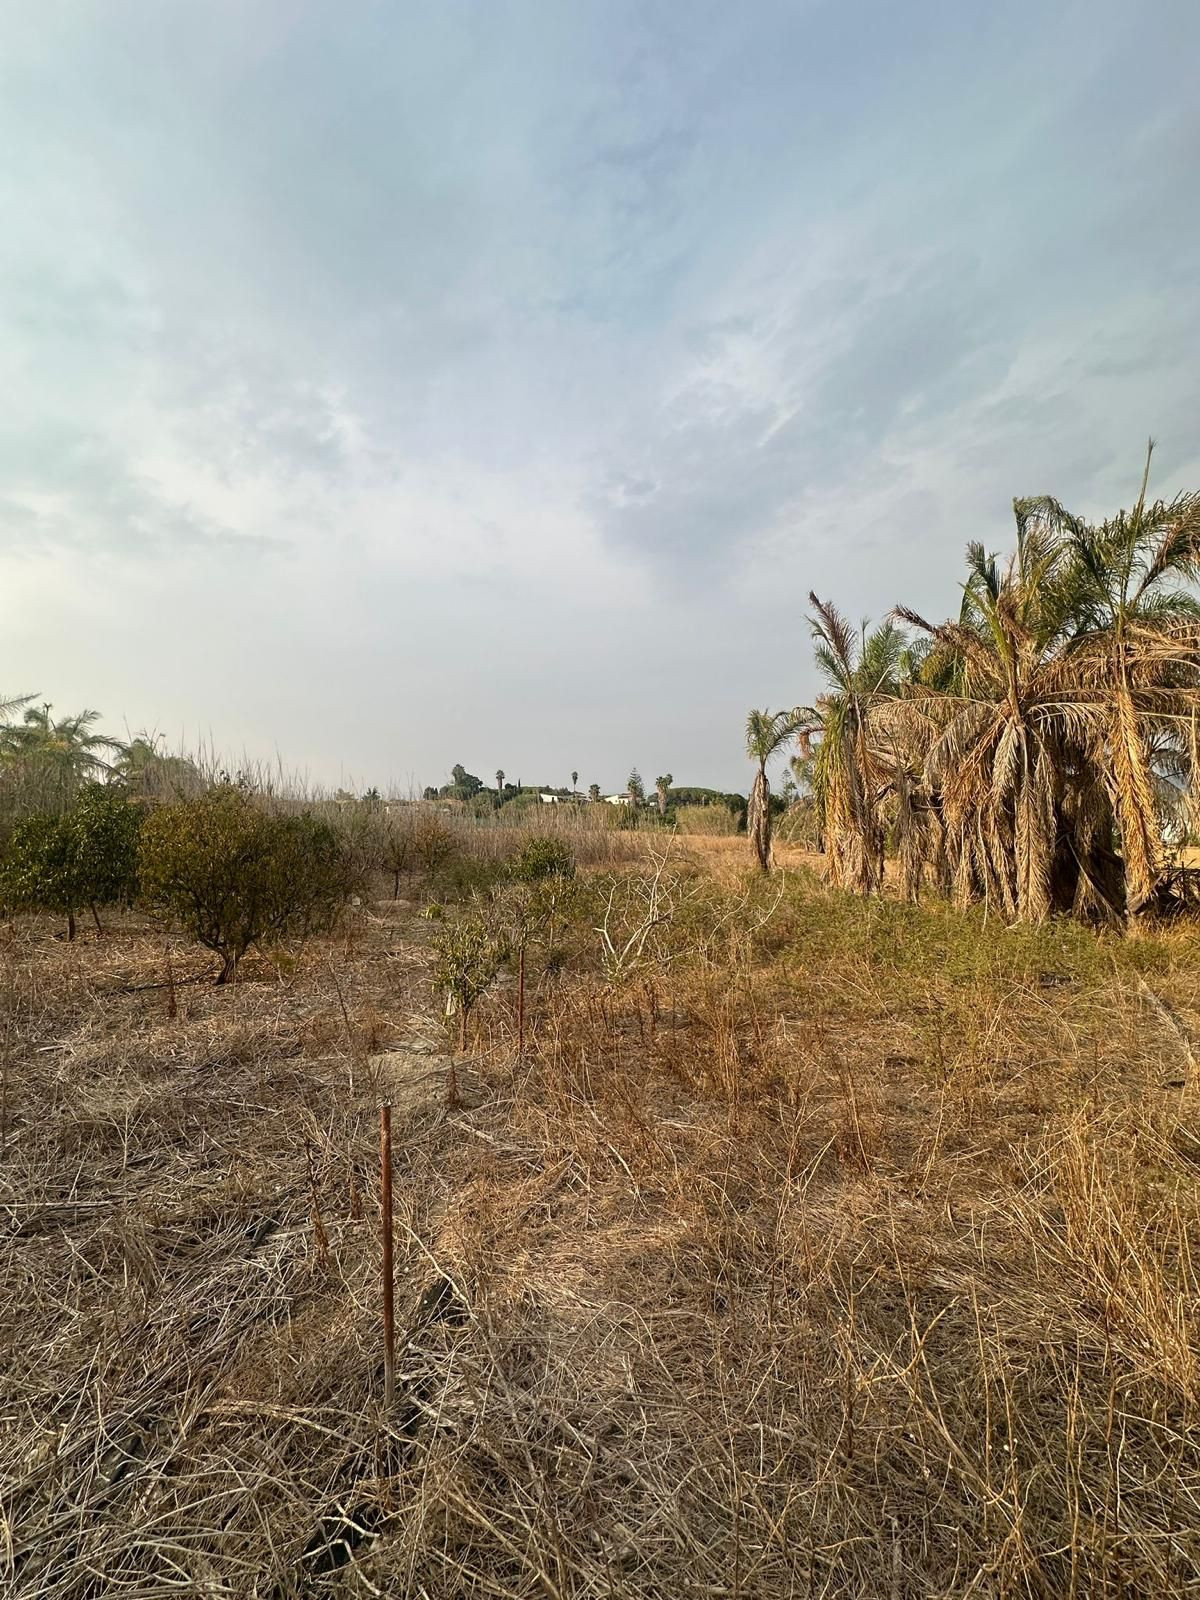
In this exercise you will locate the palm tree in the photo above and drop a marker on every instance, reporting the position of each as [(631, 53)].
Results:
[(1130, 576), (593, 792), (862, 668), (662, 787), (574, 783), (52, 759), (499, 784), (765, 732), (1055, 718), (1032, 751), (991, 738)]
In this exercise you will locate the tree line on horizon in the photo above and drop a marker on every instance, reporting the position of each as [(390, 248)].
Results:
[(465, 787)]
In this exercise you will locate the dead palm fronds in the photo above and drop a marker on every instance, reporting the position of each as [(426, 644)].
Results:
[(1035, 751)]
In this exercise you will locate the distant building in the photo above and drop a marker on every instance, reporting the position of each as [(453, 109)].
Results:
[(617, 800)]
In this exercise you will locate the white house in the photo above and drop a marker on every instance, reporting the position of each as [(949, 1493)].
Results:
[(616, 799)]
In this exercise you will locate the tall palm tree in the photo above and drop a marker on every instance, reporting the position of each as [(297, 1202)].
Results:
[(500, 782), (993, 750), (50, 759), (594, 791), (861, 668), (662, 788), (574, 783), (765, 732)]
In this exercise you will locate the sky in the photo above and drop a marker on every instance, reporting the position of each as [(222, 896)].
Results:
[(388, 385)]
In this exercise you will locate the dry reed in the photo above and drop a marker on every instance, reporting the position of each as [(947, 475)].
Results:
[(847, 1249)]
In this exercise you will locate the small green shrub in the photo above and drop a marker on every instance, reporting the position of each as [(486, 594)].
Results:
[(106, 826), (468, 959), (40, 869), (433, 842), (87, 856), (543, 858), (378, 842), (462, 877), (237, 877)]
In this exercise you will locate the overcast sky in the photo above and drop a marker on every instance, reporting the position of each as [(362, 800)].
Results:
[(388, 385)]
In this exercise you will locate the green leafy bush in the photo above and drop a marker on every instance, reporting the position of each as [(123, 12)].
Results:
[(106, 827), (236, 876), (87, 856), (40, 868), (463, 877), (541, 858)]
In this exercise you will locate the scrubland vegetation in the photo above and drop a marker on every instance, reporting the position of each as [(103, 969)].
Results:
[(801, 1244), (753, 1237)]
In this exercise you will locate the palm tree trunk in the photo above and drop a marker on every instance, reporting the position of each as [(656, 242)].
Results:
[(759, 818)]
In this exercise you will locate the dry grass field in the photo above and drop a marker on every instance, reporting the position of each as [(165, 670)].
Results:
[(834, 1248)]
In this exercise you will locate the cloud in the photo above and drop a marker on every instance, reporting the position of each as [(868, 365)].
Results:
[(510, 375)]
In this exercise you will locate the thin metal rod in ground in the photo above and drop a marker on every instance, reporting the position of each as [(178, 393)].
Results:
[(389, 1313)]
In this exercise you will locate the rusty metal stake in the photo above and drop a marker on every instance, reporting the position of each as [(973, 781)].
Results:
[(389, 1316)]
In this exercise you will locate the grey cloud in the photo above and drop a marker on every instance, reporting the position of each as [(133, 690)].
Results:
[(649, 317), (71, 491)]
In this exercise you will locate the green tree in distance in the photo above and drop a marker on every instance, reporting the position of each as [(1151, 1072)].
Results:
[(52, 758)]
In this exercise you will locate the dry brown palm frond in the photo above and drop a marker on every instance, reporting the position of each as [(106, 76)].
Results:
[(1007, 764), (956, 637), (838, 633), (1133, 799)]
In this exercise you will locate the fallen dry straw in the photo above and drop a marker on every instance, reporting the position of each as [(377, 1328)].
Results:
[(851, 1255)]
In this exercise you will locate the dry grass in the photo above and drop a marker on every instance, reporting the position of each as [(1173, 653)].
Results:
[(855, 1255), (592, 833)]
